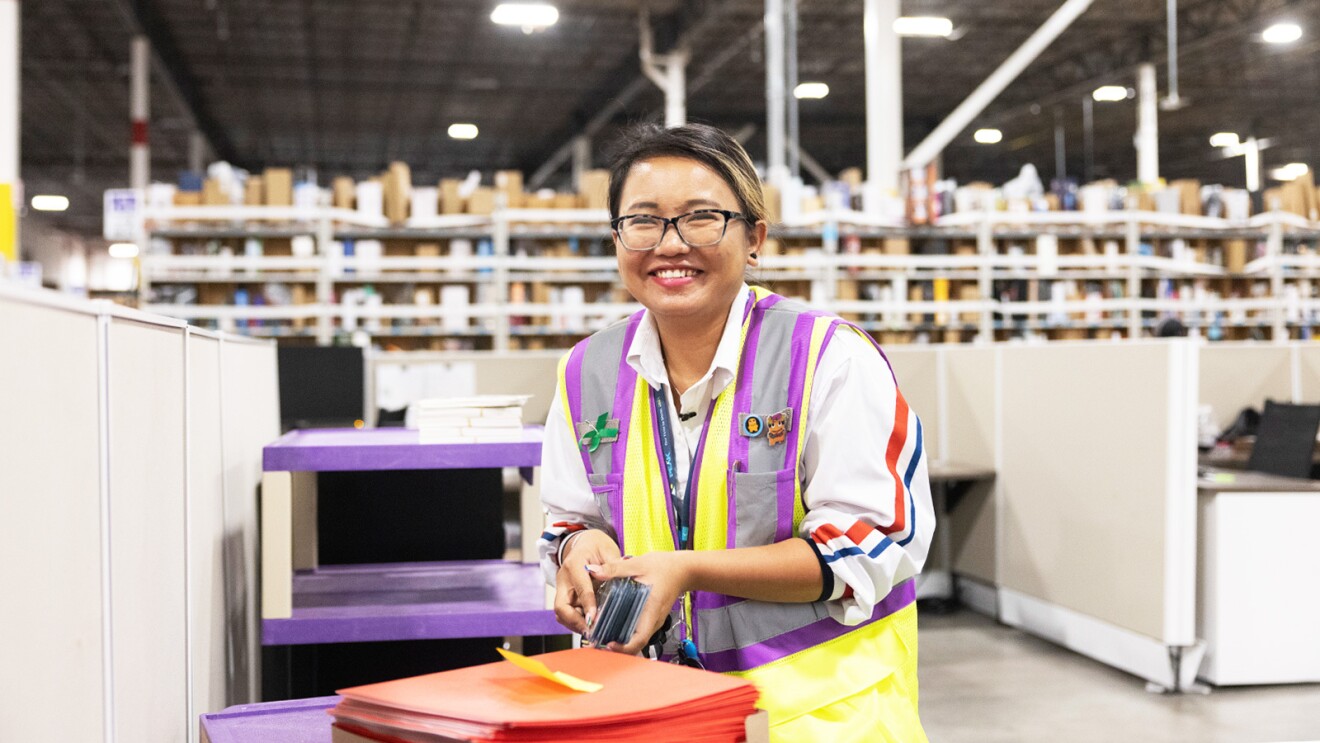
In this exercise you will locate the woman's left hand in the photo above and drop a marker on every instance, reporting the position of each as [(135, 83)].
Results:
[(665, 573)]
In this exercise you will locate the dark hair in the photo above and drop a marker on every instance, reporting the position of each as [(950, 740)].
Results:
[(705, 144)]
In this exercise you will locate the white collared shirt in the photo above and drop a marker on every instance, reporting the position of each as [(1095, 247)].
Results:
[(853, 447)]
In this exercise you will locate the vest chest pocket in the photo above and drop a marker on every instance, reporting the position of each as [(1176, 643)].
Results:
[(763, 503), (607, 490)]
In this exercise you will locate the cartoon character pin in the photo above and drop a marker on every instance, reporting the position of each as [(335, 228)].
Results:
[(774, 427)]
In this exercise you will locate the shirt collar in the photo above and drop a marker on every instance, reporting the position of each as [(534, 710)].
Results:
[(647, 358)]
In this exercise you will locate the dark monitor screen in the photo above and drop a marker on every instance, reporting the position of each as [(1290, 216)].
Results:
[(321, 386)]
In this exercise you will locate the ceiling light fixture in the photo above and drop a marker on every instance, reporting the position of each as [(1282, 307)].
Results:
[(1225, 139), (1281, 33), (988, 136), (811, 90), (527, 16), (123, 250), (463, 131), (1290, 172), (929, 26), (50, 203), (1110, 93)]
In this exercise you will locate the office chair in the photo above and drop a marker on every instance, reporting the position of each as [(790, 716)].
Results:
[(1285, 441)]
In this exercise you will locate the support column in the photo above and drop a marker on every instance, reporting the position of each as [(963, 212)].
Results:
[(1060, 146), (196, 152), (10, 192), (581, 159), (1251, 154), (1148, 128), (139, 167), (775, 149), (884, 99), (790, 86), (1088, 139)]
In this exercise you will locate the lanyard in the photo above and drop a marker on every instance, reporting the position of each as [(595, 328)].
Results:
[(683, 506)]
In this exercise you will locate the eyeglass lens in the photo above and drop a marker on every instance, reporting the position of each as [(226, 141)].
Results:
[(699, 229)]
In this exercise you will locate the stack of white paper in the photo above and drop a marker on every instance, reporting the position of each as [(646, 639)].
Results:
[(482, 418)]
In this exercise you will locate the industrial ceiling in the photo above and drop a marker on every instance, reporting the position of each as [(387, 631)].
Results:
[(346, 87)]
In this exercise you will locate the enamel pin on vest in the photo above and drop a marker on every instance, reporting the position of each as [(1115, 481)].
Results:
[(604, 431), (774, 426)]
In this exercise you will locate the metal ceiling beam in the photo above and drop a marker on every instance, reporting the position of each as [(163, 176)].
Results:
[(603, 115), (144, 18)]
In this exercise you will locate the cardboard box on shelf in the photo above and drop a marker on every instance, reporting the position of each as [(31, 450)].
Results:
[(482, 201), (187, 198), (254, 191), (1189, 195), (896, 246), (964, 247), (398, 192), (451, 200), (916, 294), (533, 201), (510, 183), (1235, 255), (343, 190), (594, 189), (969, 292), (851, 176), (279, 186), (773, 206), (428, 250), (565, 201), (213, 194)]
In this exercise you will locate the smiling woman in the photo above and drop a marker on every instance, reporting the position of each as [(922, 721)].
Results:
[(752, 465)]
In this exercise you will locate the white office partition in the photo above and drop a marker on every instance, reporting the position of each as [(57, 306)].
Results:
[(205, 516), (1234, 376), (146, 363), (1306, 375), (1097, 486), (250, 419), (969, 400), (396, 378), (116, 452), (53, 648)]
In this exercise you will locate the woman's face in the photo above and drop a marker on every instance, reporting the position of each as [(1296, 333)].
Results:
[(674, 281)]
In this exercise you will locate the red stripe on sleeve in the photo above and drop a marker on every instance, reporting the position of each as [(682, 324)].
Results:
[(824, 533), (569, 528), (897, 438), (859, 531)]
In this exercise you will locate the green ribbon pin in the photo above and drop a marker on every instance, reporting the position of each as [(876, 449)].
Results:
[(604, 431)]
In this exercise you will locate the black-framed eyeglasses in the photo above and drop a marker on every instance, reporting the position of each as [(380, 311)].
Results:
[(697, 229)]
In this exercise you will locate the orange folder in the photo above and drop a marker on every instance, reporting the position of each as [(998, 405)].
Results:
[(640, 700)]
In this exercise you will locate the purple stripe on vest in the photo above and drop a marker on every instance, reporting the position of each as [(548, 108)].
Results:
[(742, 403), (816, 633), (624, 392), (702, 600), (573, 385), (799, 350)]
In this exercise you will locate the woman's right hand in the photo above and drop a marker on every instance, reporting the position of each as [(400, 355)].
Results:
[(575, 591)]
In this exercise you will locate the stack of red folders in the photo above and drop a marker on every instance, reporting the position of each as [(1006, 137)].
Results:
[(640, 700)]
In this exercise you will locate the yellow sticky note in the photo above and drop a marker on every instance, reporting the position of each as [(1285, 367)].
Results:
[(1222, 478), (559, 677)]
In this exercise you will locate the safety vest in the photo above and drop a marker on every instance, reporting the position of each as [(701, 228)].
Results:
[(819, 679)]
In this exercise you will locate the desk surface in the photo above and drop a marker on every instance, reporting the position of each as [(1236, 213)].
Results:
[(952, 471), (414, 601), (1240, 481), (294, 721), (372, 449)]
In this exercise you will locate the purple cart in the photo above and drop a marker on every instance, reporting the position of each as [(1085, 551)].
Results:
[(305, 603)]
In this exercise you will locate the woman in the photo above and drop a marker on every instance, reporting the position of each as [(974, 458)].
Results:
[(752, 457)]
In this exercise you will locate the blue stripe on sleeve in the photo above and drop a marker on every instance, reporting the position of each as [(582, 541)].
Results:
[(907, 484)]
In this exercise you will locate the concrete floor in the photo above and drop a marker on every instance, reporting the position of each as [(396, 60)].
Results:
[(982, 682)]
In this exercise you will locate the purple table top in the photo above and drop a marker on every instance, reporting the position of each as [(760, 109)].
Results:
[(344, 449), (294, 721), (414, 601)]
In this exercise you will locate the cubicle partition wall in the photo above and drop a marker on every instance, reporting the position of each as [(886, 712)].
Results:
[(1234, 376), (1097, 501), (969, 395), (112, 524), (1307, 375)]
